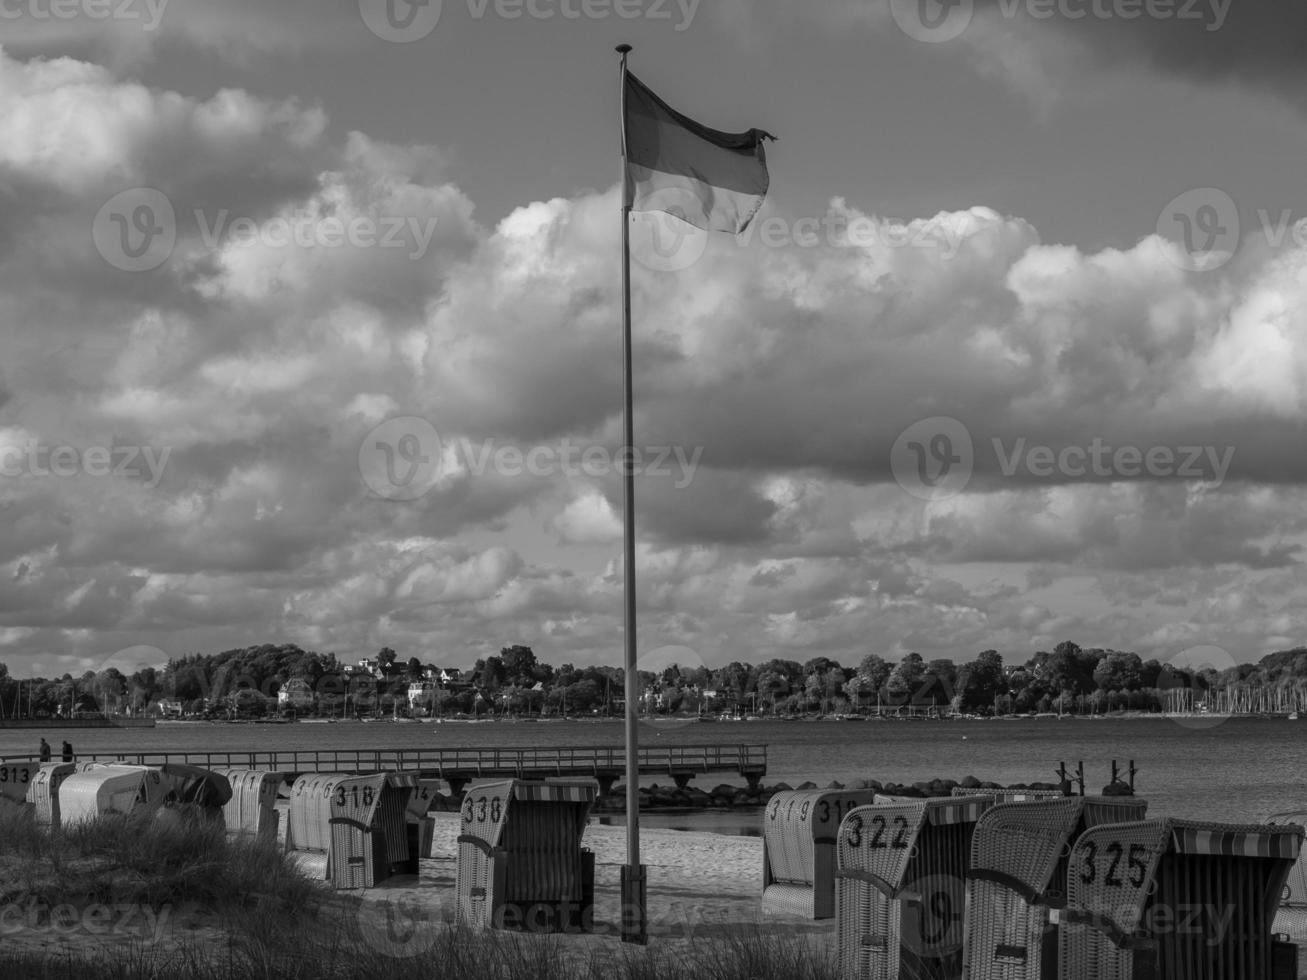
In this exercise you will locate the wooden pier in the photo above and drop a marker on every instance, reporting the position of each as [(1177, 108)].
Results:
[(460, 766)]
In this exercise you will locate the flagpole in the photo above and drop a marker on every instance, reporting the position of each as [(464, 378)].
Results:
[(634, 895)]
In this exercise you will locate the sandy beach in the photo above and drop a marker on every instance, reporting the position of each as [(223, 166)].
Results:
[(699, 885)]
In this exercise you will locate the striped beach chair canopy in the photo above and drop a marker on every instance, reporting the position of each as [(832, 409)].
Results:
[(1015, 795)]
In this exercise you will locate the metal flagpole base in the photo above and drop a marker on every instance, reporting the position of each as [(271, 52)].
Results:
[(635, 905)]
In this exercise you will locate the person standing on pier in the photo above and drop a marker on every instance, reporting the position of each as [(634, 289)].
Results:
[(68, 751), (45, 751)]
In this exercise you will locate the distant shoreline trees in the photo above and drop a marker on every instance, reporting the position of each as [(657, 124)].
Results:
[(255, 681)]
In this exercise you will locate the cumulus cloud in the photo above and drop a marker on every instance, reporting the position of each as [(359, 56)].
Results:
[(773, 380)]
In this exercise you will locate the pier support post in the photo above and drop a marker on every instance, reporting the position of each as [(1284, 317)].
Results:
[(456, 784), (682, 779)]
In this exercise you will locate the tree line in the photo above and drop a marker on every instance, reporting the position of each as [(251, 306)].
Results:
[(246, 681)]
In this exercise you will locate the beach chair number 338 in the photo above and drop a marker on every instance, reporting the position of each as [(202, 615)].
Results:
[(478, 809)]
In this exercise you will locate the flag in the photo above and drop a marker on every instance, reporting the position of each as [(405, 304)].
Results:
[(713, 180)]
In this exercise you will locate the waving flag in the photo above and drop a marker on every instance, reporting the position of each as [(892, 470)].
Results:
[(713, 180)]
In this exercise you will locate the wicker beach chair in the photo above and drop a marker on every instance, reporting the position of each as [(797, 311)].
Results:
[(349, 829), (1291, 918), (520, 860), (798, 849), (1018, 874), (252, 809), (43, 791), (900, 888), (95, 789), (1177, 900)]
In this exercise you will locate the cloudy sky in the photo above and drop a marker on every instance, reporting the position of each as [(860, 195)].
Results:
[(310, 315)]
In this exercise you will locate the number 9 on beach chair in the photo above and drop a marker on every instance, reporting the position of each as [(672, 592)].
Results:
[(798, 849), (900, 888), (1018, 873), (1177, 900), (520, 860)]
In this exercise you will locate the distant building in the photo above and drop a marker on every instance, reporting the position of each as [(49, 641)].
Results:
[(170, 708), (296, 693)]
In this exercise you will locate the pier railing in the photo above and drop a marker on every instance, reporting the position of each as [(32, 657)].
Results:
[(747, 760)]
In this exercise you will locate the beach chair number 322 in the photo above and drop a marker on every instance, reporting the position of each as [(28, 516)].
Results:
[(879, 825)]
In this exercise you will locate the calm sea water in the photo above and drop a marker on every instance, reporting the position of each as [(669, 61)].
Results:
[(1239, 769)]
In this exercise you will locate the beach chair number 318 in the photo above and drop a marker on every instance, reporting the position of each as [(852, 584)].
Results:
[(342, 798)]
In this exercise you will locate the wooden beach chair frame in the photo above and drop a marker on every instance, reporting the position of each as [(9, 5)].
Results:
[(900, 887), (520, 860), (1019, 859), (799, 828), (1128, 885)]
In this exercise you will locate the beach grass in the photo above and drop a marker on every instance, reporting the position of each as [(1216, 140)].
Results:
[(209, 907)]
